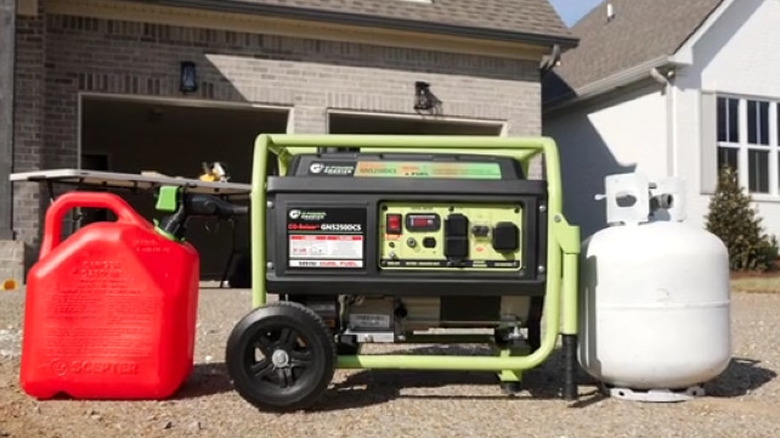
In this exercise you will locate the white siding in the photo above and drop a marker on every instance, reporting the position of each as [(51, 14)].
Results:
[(737, 56), (614, 137)]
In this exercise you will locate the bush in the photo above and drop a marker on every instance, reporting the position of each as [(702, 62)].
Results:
[(732, 218)]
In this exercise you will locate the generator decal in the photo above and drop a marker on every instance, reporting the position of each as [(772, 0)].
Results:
[(331, 168), (411, 169), (326, 238)]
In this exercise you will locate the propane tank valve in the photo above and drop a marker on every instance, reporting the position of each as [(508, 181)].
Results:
[(633, 199)]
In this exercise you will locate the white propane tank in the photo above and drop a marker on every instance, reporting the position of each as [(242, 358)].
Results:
[(654, 306)]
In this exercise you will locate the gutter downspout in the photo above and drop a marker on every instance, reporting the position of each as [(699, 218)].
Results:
[(7, 79), (670, 123), (671, 129)]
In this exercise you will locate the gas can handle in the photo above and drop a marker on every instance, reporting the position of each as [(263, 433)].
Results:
[(68, 201)]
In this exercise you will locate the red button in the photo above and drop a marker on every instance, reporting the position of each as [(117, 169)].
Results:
[(394, 224)]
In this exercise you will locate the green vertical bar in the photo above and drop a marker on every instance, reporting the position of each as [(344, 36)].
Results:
[(569, 238), (570, 290), (258, 213)]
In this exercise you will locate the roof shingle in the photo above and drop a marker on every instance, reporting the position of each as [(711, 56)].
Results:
[(536, 17), (640, 31)]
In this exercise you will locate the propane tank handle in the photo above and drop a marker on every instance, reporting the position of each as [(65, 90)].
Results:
[(68, 201)]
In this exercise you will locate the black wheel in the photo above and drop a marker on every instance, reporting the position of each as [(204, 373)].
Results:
[(281, 357)]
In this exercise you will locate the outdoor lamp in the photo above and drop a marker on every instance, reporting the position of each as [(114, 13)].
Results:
[(424, 98), (189, 80)]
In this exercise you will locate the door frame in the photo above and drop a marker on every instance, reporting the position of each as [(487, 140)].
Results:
[(170, 101)]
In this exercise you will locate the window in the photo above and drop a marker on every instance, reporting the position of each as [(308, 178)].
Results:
[(728, 120), (748, 143), (758, 122), (728, 133)]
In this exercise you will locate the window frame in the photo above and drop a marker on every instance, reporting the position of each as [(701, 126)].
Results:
[(743, 146)]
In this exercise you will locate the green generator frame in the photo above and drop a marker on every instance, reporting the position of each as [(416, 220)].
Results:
[(563, 243)]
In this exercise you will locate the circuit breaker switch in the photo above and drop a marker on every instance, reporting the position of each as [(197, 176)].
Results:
[(480, 230)]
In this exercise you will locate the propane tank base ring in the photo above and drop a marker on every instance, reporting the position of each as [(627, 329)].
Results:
[(655, 395)]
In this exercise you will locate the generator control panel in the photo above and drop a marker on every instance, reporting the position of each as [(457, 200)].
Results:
[(447, 236)]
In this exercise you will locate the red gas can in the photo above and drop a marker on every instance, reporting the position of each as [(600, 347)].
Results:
[(111, 310)]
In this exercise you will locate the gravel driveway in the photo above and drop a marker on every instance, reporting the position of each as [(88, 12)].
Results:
[(744, 401)]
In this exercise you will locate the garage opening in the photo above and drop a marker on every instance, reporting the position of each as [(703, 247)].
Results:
[(175, 140), (351, 123)]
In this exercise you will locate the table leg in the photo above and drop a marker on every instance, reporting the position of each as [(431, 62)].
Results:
[(226, 271)]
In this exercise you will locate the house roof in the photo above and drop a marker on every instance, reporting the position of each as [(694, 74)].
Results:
[(639, 32), (513, 20)]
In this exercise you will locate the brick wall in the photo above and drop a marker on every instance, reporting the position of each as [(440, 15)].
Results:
[(28, 125), (109, 56), (11, 261)]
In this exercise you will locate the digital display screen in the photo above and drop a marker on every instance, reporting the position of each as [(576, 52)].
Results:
[(422, 222)]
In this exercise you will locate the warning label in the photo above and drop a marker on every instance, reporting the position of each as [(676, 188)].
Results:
[(326, 263), (326, 251), (326, 238), (335, 246)]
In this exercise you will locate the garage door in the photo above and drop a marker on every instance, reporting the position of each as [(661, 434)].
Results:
[(174, 139)]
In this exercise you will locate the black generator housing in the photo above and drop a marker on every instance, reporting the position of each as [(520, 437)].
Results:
[(330, 215)]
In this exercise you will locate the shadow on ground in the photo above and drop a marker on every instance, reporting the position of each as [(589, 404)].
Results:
[(742, 376), (206, 379), (371, 387)]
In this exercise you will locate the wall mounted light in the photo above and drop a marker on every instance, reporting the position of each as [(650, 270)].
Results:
[(424, 99), (188, 80)]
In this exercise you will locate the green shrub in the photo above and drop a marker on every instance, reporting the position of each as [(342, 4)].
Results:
[(739, 226)]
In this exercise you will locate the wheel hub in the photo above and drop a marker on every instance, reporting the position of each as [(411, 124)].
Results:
[(280, 358)]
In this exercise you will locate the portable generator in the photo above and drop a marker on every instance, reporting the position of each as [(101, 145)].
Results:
[(402, 239)]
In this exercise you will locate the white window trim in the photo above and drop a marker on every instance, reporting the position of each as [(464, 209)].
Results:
[(743, 146)]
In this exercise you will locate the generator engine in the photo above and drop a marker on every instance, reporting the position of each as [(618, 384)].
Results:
[(386, 247)]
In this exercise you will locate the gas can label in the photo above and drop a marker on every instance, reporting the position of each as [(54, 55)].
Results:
[(326, 237)]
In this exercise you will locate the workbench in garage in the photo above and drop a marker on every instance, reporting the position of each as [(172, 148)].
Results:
[(82, 179)]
